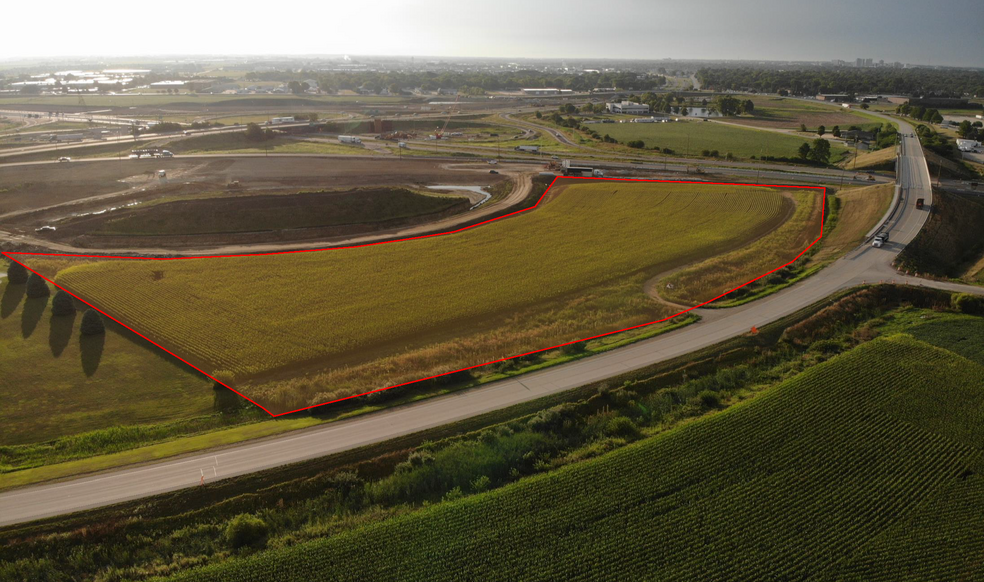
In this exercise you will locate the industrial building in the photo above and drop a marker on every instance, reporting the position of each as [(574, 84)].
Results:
[(545, 91), (968, 145), (628, 107), (835, 98)]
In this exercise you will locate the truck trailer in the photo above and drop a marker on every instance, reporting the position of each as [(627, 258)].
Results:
[(350, 139), (528, 149)]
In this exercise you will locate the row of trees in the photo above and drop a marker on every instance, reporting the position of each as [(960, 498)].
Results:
[(811, 81), (477, 82), (968, 130), (817, 152), (919, 112)]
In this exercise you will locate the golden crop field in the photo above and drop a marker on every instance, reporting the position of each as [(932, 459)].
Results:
[(249, 316)]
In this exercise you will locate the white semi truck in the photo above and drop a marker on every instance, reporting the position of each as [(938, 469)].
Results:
[(350, 139)]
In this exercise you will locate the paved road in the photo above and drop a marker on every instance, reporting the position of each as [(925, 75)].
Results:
[(865, 264)]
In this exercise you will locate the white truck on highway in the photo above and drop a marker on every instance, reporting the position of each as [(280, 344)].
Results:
[(350, 139), (528, 149), (279, 120)]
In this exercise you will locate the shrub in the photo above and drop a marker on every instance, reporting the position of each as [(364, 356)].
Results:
[(62, 304), (967, 303), (16, 274), (574, 348), (36, 287), (709, 399), (345, 482), (454, 494), (553, 419), (705, 153), (480, 484), (92, 323), (246, 530), (826, 346), (420, 458), (636, 143), (623, 427)]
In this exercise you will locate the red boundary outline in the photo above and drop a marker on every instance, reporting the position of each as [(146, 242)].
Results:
[(206, 374)]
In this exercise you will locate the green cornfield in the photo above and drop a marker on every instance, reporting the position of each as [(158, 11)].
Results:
[(866, 467), (251, 315)]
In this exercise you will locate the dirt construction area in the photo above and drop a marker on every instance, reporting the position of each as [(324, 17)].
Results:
[(35, 196)]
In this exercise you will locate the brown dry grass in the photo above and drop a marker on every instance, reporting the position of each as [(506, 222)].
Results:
[(860, 209), (708, 279), (883, 158)]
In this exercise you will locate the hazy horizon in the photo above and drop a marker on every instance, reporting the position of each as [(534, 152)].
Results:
[(768, 30)]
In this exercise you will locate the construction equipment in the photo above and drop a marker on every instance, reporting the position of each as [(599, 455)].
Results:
[(439, 134)]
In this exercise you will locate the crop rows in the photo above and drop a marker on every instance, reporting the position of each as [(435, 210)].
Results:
[(253, 314), (790, 486)]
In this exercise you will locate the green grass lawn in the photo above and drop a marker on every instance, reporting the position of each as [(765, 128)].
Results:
[(707, 135), (56, 383)]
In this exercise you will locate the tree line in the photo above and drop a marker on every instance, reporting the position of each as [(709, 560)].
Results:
[(466, 82), (919, 82)]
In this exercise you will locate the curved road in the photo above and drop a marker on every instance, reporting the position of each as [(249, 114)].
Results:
[(864, 264)]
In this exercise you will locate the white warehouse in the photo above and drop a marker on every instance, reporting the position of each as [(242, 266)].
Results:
[(628, 107)]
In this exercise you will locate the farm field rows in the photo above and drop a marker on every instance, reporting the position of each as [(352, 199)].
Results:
[(856, 469), (351, 305)]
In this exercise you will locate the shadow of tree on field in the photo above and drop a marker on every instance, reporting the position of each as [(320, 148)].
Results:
[(12, 296), (226, 400), (33, 310), (91, 347), (60, 333)]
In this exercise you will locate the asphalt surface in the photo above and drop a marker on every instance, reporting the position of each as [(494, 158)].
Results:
[(864, 264)]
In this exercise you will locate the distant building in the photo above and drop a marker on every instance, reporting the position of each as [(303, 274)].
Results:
[(850, 134), (834, 97), (967, 145), (940, 102), (541, 91), (628, 107)]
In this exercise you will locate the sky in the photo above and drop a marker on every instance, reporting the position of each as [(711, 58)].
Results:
[(943, 32)]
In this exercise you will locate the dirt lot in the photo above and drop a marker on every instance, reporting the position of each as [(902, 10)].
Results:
[(35, 195), (235, 217), (33, 187)]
